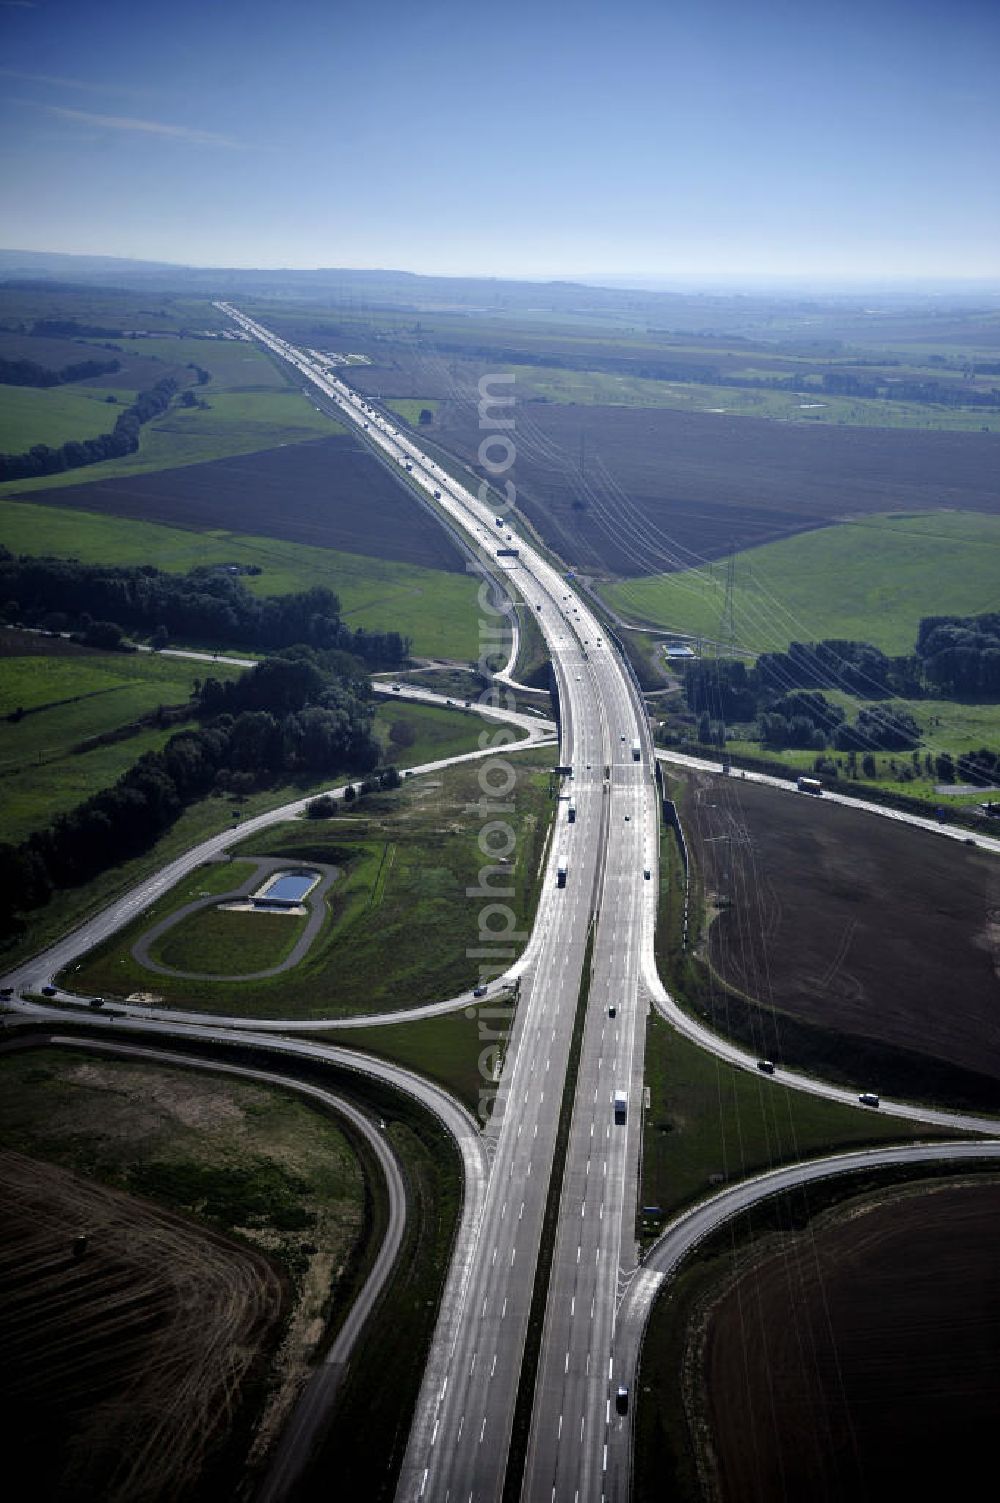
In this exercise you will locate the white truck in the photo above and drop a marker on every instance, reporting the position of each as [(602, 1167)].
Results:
[(636, 750), (571, 811), (562, 867), (621, 1106), (809, 785)]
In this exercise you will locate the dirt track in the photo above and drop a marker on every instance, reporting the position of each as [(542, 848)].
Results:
[(120, 1370)]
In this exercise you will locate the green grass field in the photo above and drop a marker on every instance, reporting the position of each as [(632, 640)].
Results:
[(411, 734), (49, 759), (707, 1118), (869, 580), (220, 943), (234, 423), (410, 408), (435, 608), (604, 388), (400, 922), (31, 415), (447, 1049), (234, 364)]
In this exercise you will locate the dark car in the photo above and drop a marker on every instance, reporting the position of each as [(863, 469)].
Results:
[(479, 991), (48, 991), (612, 1012), (621, 1399), (767, 1065)]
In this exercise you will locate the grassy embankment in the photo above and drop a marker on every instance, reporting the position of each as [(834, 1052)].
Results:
[(401, 923)]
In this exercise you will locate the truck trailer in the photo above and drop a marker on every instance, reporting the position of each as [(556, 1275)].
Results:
[(571, 811), (636, 750)]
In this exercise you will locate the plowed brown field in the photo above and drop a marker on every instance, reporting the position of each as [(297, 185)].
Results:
[(123, 1369), (861, 925), (863, 1363), (703, 482), (331, 494)]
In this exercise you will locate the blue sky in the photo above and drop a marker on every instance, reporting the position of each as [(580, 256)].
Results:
[(687, 137)]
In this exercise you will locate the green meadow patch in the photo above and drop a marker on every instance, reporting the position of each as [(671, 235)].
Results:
[(435, 608), (868, 580), (400, 928), (55, 712), (410, 408), (710, 1123), (52, 415), (231, 423)]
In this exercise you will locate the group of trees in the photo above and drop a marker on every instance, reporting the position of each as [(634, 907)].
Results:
[(978, 768), (288, 717), (961, 654), (41, 459), (208, 604), (325, 806), (30, 373), (781, 695), (71, 328)]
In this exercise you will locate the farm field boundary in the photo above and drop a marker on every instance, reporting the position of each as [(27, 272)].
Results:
[(870, 579), (433, 606)]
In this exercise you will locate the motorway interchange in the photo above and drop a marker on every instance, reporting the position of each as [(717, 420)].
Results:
[(598, 1294)]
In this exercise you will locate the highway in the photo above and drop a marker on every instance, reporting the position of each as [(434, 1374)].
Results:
[(460, 1436)]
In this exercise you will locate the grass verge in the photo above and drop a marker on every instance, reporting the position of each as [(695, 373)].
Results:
[(709, 1124)]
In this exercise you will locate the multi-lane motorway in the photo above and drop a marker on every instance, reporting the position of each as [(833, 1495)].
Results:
[(459, 1441), (577, 1448)]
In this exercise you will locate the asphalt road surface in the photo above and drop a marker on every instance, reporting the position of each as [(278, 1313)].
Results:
[(459, 1440), (460, 1436)]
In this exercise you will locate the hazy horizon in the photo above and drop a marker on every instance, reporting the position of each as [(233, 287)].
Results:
[(737, 143)]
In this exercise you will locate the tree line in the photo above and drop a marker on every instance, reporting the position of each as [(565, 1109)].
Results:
[(207, 604), (782, 693), (30, 373), (41, 459), (300, 715)]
